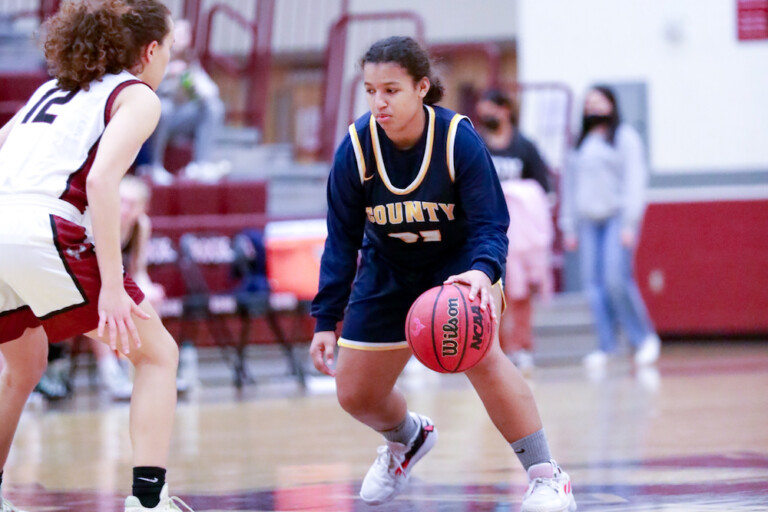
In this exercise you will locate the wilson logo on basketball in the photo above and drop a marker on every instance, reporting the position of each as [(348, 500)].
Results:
[(446, 331), (451, 329)]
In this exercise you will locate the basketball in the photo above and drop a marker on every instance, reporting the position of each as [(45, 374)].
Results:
[(447, 332)]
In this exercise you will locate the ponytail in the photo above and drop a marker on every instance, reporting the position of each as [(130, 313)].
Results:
[(409, 55)]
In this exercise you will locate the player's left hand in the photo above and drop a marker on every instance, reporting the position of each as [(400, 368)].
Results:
[(479, 285)]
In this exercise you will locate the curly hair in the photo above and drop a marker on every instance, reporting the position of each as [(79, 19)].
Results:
[(88, 39), (408, 53)]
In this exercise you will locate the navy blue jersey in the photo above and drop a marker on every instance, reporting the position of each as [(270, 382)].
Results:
[(414, 208)]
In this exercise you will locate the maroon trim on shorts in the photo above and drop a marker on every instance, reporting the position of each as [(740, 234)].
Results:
[(79, 259), (81, 247), (13, 323)]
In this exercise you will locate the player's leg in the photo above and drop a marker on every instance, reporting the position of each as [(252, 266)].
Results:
[(153, 407), (365, 383), (25, 361), (503, 390), (512, 408)]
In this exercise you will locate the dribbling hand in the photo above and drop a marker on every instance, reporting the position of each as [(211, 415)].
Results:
[(479, 284), (321, 350)]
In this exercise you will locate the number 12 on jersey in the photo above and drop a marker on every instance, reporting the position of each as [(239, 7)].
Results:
[(42, 112)]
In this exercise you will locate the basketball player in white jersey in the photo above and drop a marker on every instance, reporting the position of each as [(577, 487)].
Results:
[(62, 157)]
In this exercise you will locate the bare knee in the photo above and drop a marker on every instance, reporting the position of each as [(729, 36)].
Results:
[(160, 350), (23, 371), (358, 402), (25, 376)]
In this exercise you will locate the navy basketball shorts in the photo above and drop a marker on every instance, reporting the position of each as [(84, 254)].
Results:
[(49, 275), (382, 295)]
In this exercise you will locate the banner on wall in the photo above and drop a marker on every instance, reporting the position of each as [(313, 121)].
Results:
[(752, 19)]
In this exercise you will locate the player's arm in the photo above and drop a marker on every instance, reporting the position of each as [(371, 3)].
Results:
[(482, 200), (346, 223), (134, 116)]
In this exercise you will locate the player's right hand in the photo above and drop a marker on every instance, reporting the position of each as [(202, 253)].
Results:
[(321, 350), (116, 310)]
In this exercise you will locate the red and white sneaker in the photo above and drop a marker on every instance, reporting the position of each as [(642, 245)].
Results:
[(389, 473), (549, 489)]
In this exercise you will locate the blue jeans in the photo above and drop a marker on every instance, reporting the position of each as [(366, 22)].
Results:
[(606, 271)]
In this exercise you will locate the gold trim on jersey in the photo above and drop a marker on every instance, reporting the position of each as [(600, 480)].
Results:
[(500, 284), (424, 163), (372, 346), (452, 129), (358, 153)]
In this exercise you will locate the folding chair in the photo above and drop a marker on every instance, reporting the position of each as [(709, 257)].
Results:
[(258, 302), (196, 306)]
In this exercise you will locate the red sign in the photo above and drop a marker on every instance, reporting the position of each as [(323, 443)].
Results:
[(752, 19)]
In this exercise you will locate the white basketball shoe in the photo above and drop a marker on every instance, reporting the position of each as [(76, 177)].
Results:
[(549, 489), (167, 504), (389, 473)]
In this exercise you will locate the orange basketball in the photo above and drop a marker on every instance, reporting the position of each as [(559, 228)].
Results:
[(447, 332)]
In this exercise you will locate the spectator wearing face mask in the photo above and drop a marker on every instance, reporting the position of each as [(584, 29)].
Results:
[(524, 180), (602, 208), (514, 156)]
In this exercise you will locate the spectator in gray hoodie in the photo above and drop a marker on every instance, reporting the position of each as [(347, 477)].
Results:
[(603, 201)]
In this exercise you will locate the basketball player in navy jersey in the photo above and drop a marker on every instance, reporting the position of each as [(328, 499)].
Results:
[(62, 157), (413, 186)]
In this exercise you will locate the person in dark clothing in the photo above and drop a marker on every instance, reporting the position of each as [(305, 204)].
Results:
[(514, 156), (525, 181), (414, 190)]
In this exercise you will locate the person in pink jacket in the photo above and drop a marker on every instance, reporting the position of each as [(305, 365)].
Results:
[(524, 180)]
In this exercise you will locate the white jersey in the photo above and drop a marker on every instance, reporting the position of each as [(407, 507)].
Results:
[(50, 150)]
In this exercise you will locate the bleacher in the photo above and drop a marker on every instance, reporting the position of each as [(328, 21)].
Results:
[(193, 254), (194, 224)]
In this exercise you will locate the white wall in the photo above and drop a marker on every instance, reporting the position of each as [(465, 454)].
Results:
[(453, 20), (304, 24), (707, 91)]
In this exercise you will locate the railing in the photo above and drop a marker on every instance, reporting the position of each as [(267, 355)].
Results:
[(253, 68), (544, 111), (333, 90)]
